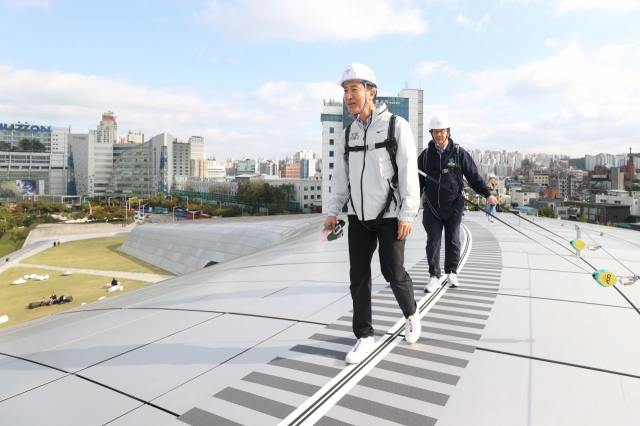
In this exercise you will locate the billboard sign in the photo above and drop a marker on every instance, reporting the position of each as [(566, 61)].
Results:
[(26, 127), (26, 187)]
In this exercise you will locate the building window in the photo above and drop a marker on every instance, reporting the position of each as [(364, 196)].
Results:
[(331, 130), (306, 197), (313, 187), (306, 188), (331, 141), (329, 189), (306, 206), (312, 197), (330, 153), (330, 176), (331, 165), (319, 197)]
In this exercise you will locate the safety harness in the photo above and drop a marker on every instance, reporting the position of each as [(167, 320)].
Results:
[(391, 145), (451, 168)]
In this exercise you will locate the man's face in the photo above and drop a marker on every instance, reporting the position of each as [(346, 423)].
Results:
[(354, 95), (440, 136)]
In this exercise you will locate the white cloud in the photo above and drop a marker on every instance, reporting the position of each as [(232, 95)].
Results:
[(468, 23), (575, 101), (334, 20), (551, 42), (427, 68), (277, 119), (564, 6), (614, 6)]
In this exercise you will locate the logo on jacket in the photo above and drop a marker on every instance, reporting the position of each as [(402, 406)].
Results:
[(354, 136), (451, 163)]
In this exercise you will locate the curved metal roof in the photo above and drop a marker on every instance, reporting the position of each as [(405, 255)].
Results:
[(527, 338)]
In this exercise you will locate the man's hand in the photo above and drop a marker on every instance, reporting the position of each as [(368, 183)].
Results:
[(492, 200), (404, 229), (331, 221)]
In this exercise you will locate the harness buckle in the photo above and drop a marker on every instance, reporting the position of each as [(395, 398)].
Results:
[(371, 146), (445, 171)]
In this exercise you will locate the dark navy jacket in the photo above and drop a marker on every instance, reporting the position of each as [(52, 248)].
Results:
[(430, 159)]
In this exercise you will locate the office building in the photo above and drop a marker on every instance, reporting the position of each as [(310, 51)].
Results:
[(92, 163), (181, 157), (215, 170), (197, 148), (144, 169), (198, 168), (290, 171), (107, 131), (39, 156), (136, 137)]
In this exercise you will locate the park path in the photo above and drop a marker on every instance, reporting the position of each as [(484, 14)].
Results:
[(152, 278)]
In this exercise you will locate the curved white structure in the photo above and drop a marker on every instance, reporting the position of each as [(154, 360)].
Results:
[(185, 247)]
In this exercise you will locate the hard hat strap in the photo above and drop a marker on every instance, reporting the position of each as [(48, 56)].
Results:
[(366, 97)]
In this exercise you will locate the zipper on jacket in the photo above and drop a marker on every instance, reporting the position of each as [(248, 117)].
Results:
[(364, 163), (439, 179)]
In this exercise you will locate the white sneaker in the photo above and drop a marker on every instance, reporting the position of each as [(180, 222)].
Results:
[(432, 284), (453, 280), (362, 348), (412, 329)]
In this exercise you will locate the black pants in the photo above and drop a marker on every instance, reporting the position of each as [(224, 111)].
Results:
[(434, 225), (362, 245)]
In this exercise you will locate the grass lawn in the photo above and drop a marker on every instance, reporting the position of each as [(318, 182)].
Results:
[(96, 253), (6, 245), (14, 299)]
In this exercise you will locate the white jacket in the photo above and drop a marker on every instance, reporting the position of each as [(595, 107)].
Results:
[(368, 171)]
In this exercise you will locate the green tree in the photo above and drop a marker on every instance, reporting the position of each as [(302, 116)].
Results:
[(5, 146), (18, 236), (32, 145), (583, 217), (547, 212)]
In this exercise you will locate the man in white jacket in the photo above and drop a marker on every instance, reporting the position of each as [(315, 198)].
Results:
[(380, 208)]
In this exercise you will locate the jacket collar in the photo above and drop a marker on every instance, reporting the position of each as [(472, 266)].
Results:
[(381, 108), (449, 147)]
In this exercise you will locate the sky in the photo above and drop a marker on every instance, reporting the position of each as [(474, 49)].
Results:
[(536, 76)]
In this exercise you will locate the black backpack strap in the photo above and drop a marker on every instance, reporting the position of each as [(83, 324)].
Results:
[(346, 144), (347, 150)]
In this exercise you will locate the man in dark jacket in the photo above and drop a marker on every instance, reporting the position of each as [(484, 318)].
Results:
[(448, 163)]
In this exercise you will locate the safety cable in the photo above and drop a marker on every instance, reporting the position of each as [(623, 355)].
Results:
[(549, 231), (502, 221)]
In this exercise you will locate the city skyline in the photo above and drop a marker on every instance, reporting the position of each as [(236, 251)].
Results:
[(558, 75)]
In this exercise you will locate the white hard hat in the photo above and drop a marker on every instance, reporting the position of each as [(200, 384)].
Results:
[(492, 176), (439, 121), (358, 72)]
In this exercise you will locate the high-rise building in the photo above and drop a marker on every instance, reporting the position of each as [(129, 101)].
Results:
[(197, 148), (37, 155), (198, 168), (181, 157), (92, 163), (144, 169), (107, 131)]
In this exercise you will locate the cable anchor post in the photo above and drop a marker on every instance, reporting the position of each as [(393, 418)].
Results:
[(578, 244)]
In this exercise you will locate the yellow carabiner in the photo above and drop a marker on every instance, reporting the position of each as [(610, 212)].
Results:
[(605, 277), (578, 244)]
